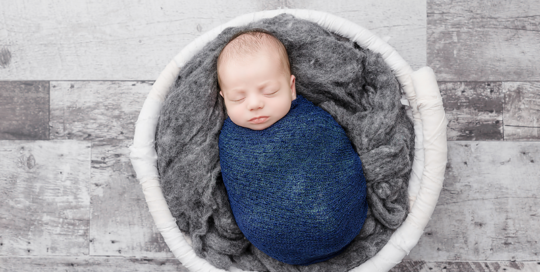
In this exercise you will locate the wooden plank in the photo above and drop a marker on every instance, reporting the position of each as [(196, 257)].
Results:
[(474, 110), (89, 264), (104, 113), (484, 40), (521, 111), (96, 110), (24, 110), (489, 206), (127, 229), (502, 266), (44, 198), (123, 40)]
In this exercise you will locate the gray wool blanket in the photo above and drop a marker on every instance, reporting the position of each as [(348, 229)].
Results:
[(351, 83)]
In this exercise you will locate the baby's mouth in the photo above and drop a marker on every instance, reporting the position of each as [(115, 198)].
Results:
[(258, 120)]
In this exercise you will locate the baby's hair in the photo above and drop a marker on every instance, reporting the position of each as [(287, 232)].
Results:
[(251, 42)]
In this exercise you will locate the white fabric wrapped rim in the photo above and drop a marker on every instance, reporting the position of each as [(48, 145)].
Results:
[(422, 95)]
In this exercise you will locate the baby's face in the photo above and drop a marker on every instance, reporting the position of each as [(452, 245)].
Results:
[(256, 91)]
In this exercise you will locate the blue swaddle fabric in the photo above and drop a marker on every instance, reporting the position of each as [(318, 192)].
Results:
[(296, 189)]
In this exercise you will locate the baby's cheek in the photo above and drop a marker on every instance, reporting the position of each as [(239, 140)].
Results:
[(236, 116)]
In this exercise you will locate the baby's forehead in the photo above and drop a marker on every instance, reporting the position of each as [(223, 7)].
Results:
[(251, 58), (231, 54)]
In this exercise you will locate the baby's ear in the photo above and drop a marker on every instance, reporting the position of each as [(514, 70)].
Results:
[(221, 93)]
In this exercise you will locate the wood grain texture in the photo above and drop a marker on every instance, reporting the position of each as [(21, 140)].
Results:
[(89, 264), (96, 110), (521, 111), (45, 204), (474, 110), (124, 40), (24, 110), (484, 40), (420, 266), (489, 207), (121, 223)]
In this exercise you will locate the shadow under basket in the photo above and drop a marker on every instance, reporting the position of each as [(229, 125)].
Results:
[(425, 109)]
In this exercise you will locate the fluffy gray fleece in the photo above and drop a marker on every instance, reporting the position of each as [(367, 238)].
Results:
[(353, 84)]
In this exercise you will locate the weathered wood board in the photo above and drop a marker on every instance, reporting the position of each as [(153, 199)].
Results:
[(120, 221), (521, 111), (124, 40), (45, 203), (474, 110), (104, 113), (96, 110), (508, 266), (489, 207), (484, 40), (89, 264), (24, 110), (492, 110)]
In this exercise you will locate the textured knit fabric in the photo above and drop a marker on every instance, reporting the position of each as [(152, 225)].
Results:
[(296, 188), (351, 83)]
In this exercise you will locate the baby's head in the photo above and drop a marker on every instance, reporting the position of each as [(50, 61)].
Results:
[(255, 79)]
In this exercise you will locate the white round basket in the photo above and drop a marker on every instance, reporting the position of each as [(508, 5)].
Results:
[(422, 95)]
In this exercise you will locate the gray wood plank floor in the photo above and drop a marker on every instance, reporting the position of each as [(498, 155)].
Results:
[(484, 40), (74, 76), (24, 107)]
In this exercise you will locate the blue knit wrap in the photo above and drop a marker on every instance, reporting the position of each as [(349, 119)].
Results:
[(296, 189)]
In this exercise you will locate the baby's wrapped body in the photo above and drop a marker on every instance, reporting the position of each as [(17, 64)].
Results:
[(296, 189)]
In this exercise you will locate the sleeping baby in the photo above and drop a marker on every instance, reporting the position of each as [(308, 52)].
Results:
[(294, 182)]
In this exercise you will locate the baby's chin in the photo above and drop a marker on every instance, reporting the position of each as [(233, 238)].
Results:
[(258, 128)]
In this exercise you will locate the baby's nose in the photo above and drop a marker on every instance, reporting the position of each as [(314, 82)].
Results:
[(255, 103)]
